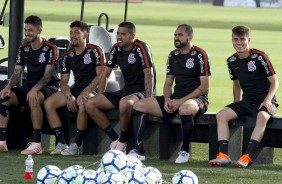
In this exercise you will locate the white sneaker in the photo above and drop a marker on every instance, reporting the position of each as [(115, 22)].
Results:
[(113, 144), (33, 148), (59, 148), (183, 157), (136, 154), (71, 150), (3, 146)]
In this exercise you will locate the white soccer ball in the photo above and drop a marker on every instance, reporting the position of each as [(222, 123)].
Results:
[(134, 177), (113, 178), (88, 176), (185, 176), (133, 161), (153, 175), (48, 174), (114, 160), (100, 174), (69, 174)]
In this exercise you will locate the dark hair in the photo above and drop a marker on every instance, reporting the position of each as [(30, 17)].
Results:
[(34, 20), (188, 28), (129, 25), (241, 30), (82, 25)]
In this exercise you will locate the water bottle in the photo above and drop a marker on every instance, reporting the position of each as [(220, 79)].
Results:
[(28, 175)]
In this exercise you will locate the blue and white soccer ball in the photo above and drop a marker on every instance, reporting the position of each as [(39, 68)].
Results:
[(153, 175), (100, 174), (48, 174), (69, 174), (114, 160), (185, 176), (134, 177), (133, 161), (113, 178), (88, 176)]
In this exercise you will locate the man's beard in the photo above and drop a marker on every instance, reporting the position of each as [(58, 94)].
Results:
[(181, 45)]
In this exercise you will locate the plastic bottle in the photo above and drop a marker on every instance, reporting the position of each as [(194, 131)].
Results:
[(28, 174)]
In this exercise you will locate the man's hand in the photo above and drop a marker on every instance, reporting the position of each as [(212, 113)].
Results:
[(82, 98), (71, 103), (176, 103), (168, 106), (271, 108), (32, 97), (5, 92)]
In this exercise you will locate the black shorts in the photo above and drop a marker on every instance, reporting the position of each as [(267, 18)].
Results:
[(201, 101), (21, 92), (114, 97), (243, 109)]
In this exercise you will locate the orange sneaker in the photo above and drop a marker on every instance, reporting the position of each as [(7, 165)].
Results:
[(244, 161), (220, 160)]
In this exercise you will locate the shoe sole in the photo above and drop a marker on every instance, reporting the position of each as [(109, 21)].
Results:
[(32, 153), (240, 165), (220, 164)]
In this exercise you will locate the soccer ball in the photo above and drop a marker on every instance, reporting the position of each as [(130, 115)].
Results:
[(48, 174), (133, 161), (114, 160), (113, 178), (88, 176), (153, 175), (185, 176), (100, 174), (69, 174), (134, 177)]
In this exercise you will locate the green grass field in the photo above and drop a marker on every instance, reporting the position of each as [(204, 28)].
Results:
[(156, 23)]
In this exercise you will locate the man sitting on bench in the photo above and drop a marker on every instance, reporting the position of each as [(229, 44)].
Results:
[(86, 62), (189, 66), (251, 71)]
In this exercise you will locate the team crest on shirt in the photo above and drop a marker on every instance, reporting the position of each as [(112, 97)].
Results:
[(251, 66), (254, 56), (131, 58), (42, 58), (190, 63), (86, 59)]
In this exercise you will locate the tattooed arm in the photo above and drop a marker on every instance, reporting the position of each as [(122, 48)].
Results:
[(13, 81), (32, 96), (85, 94), (149, 81)]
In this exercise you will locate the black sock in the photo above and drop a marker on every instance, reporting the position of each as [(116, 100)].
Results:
[(3, 134), (37, 135), (187, 125), (123, 136), (223, 146), (111, 133), (58, 132), (139, 126), (252, 147), (80, 134)]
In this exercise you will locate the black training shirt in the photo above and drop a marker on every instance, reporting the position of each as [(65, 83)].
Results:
[(132, 64), (83, 65), (252, 73), (36, 61), (187, 69)]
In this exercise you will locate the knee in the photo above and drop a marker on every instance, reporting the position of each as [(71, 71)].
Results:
[(221, 117), (188, 109), (90, 104), (125, 105), (262, 118), (139, 106), (48, 105)]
